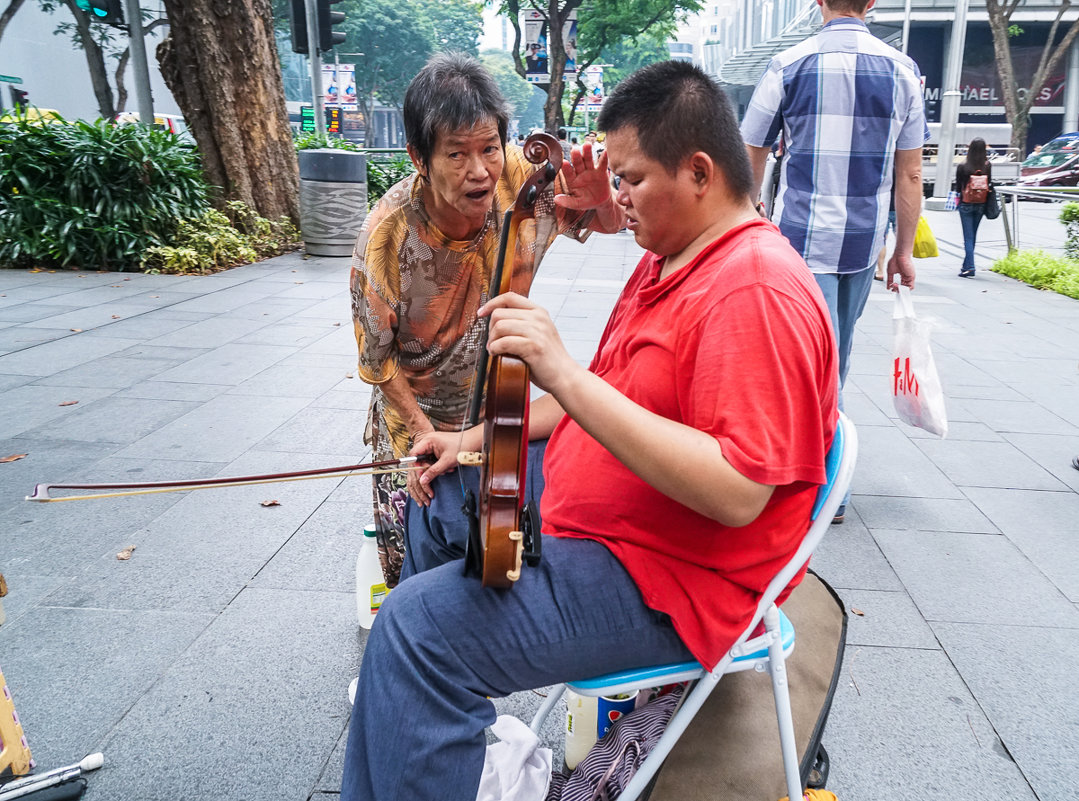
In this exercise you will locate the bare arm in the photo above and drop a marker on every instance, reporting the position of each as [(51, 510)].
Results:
[(908, 207), (399, 396), (758, 157), (543, 415), (685, 464)]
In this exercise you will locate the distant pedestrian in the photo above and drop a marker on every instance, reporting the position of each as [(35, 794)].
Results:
[(566, 147), (972, 179), (850, 110)]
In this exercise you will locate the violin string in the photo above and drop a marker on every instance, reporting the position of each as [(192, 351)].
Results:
[(481, 336), (156, 490)]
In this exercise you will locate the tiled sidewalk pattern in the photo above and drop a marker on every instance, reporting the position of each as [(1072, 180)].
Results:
[(213, 663)]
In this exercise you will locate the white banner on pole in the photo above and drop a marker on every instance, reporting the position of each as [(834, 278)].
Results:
[(339, 86), (536, 32)]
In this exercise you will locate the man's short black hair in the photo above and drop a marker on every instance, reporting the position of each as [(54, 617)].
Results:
[(678, 110), (452, 91), (561, 133)]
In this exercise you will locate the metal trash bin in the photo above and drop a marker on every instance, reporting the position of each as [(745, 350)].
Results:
[(333, 200)]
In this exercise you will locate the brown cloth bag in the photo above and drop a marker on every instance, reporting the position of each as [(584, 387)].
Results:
[(731, 749)]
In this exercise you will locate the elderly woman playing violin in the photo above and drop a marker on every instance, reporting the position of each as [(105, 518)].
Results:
[(423, 263)]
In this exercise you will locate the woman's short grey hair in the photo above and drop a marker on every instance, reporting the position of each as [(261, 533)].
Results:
[(452, 91)]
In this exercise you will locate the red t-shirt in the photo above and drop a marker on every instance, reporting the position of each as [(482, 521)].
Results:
[(737, 344)]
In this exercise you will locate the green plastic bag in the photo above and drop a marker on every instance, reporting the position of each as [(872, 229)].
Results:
[(925, 244)]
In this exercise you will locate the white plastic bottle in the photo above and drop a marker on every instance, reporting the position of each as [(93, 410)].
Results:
[(581, 727), (370, 585)]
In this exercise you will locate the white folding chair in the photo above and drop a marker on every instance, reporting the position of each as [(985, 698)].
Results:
[(752, 650)]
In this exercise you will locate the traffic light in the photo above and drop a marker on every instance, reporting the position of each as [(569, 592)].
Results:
[(20, 99), (327, 36), (107, 12), (298, 17)]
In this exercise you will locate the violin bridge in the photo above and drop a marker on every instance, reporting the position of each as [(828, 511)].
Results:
[(470, 458), (517, 538)]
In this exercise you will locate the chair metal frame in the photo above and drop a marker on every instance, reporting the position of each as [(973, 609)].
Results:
[(754, 649)]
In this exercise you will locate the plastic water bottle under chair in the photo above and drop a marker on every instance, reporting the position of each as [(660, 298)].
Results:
[(370, 584), (589, 718)]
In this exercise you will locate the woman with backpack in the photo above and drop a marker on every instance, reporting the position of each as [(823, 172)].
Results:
[(972, 179)]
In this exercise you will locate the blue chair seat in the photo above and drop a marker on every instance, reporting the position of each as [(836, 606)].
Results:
[(656, 675)]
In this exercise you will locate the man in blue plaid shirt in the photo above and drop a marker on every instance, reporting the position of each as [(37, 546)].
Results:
[(849, 108)]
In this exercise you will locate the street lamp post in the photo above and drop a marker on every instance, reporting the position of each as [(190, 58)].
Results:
[(949, 103), (138, 61)]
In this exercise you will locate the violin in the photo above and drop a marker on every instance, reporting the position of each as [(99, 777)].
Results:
[(504, 531)]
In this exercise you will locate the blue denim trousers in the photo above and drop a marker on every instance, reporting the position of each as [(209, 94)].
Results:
[(970, 215), (845, 294), (442, 646)]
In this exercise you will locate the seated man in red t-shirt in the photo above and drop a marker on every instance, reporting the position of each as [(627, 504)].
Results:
[(680, 472)]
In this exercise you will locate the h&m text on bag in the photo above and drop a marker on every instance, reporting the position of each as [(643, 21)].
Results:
[(904, 380)]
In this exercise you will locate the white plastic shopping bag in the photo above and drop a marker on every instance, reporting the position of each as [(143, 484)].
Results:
[(919, 399), (516, 768)]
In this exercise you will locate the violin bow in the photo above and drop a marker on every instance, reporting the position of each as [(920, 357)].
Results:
[(41, 492)]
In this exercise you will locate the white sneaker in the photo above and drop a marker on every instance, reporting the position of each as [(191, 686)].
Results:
[(352, 690)]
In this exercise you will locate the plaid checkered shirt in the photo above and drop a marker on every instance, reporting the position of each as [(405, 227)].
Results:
[(845, 102)]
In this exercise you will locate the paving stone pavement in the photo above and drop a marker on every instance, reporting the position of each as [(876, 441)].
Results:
[(213, 663)]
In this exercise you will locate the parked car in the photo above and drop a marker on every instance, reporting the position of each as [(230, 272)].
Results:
[(1067, 141), (1053, 155), (1061, 169)]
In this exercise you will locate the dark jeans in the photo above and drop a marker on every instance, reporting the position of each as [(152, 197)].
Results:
[(442, 646), (970, 215)]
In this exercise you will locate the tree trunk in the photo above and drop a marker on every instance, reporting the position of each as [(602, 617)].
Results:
[(556, 55), (95, 60), (121, 89), (1016, 109), (220, 62), (8, 13), (556, 60)]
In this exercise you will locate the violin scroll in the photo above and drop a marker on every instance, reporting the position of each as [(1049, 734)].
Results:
[(539, 148)]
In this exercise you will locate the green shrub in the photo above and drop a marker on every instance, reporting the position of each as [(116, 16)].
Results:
[(1042, 270), (93, 195), (1069, 215), (219, 240), (312, 140), (384, 168), (383, 173)]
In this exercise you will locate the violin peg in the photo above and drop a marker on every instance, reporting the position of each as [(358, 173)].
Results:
[(470, 458)]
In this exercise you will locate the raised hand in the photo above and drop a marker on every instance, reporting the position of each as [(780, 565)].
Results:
[(588, 186)]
